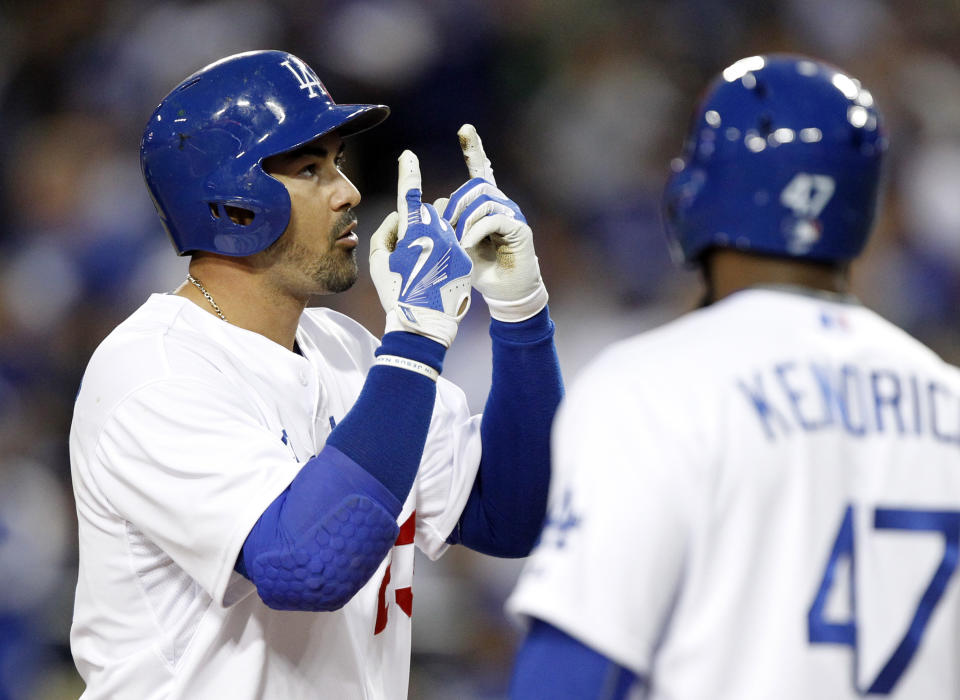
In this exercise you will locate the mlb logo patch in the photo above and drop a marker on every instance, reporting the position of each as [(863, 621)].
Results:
[(833, 320)]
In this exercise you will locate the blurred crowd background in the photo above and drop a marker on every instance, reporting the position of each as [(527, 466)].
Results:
[(581, 105)]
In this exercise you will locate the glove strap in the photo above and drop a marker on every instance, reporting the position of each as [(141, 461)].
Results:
[(407, 364), (521, 309), (429, 323)]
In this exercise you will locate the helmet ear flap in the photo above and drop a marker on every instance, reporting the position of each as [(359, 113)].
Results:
[(257, 211)]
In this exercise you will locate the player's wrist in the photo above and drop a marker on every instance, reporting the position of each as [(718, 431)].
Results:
[(414, 347), (535, 329), (518, 310)]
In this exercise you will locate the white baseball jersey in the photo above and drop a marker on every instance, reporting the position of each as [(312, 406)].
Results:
[(760, 500), (185, 429)]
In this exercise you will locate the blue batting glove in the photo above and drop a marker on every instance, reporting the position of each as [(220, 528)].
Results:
[(421, 273), (495, 233)]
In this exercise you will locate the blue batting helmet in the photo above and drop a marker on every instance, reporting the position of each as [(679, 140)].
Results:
[(204, 146), (783, 158)]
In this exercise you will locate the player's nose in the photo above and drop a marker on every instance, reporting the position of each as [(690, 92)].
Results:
[(345, 194)]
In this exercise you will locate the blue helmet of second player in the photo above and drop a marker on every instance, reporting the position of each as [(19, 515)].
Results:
[(783, 158), (203, 148)]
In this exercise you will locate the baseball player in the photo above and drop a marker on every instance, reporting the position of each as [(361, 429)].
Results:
[(760, 499), (251, 476)]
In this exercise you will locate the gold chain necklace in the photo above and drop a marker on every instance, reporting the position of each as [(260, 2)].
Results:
[(199, 285)]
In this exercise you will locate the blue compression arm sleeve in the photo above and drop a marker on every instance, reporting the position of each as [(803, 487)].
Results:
[(320, 541), (551, 664), (386, 429), (506, 508)]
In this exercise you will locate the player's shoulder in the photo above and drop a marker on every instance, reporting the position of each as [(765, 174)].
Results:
[(134, 347), (158, 342), (662, 361), (700, 346), (757, 325), (734, 325), (150, 342), (676, 345)]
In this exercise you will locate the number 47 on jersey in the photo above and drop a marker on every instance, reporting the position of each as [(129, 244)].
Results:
[(822, 631)]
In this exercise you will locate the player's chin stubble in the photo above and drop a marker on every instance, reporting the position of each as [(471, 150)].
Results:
[(333, 271), (337, 270)]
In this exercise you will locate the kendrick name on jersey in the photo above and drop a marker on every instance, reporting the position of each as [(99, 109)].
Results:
[(804, 395)]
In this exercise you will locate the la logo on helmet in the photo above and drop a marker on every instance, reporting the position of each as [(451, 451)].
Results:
[(305, 76)]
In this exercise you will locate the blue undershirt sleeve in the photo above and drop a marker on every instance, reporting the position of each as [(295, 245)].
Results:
[(320, 541), (552, 664), (386, 429), (506, 508)]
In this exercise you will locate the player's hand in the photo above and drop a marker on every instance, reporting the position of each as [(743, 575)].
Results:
[(495, 234), (421, 274)]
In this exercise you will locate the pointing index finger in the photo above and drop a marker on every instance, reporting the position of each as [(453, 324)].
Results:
[(409, 189), (478, 165)]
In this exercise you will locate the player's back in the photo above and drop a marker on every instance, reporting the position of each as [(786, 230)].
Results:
[(823, 561), (781, 488)]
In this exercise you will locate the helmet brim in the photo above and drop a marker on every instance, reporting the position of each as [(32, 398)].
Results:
[(354, 119)]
